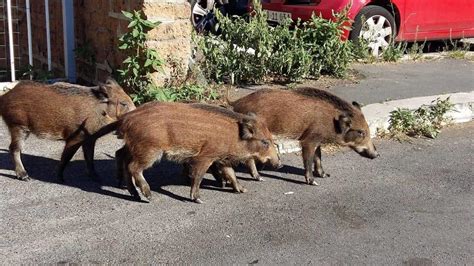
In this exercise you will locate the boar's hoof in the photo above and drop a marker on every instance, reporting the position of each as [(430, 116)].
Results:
[(199, 201), (313, 183), (23, 176), (147, 197), (240, 189), (137, 197), (323, 175)]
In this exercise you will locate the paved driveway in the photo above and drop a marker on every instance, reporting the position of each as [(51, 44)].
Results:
[(414, 204)]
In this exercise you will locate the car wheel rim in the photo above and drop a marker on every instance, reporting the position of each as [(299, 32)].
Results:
[(377, 31), (203, 17)]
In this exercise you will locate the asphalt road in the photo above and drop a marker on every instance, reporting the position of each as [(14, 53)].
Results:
[(413, 205), (376, 83), (384, 82)]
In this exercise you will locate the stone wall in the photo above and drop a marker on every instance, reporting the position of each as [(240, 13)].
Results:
[(98, 26)]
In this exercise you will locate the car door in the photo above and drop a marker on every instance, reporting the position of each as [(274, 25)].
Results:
[(434, 19)]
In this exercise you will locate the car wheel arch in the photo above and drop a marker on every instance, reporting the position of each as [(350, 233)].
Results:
[(382, 30), (389, 6)]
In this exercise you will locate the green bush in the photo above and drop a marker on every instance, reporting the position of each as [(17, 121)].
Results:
[(141, 61), (182, 93), (248, 50), (425, 121)]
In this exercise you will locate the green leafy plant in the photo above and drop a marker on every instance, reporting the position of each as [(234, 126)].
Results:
[(455, 49), (425, 121), (361, 51), (248, 50), (394, 51), (141, 60), (181, 93), (415, 51), (38, 74)]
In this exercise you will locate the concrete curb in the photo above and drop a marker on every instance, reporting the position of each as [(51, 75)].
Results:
[(378, 114), (468, 55)]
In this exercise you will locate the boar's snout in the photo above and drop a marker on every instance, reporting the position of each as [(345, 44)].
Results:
[(276, 163), (269, 154), (370, 152), (274, 158)]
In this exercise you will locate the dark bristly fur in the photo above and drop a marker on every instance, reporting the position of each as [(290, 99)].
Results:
[(312, 117), (61, 111), (195, 134), (326, 96), (219, 110)]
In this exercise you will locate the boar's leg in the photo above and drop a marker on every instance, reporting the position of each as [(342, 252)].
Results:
[(308, 158), (250, 163), (72, 145), (198, 169), (217, 174), (127, 176), (88, 150), (121, 167), (136, 173), (229, 174), (18, 136), (318, 167)]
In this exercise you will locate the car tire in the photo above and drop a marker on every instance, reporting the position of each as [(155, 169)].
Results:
[(377, 26), (203, 18)]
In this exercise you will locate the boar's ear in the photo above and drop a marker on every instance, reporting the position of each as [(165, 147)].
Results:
[(356, 104), (343, 124), (101, 93), (111, 82), (247, 128)]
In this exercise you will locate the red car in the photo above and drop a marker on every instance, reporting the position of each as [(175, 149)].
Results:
[(378, 21)]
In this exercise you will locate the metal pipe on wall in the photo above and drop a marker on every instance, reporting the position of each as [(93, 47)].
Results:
[(28, 27), (68, 30), (10, 39), (48, 37)]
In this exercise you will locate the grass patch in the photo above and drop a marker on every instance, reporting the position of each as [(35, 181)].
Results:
[(426, 121)]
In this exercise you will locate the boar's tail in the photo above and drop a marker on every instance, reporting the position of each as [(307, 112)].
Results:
[(106, 130)]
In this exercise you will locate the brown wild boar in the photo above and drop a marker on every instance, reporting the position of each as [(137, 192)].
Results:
[(313, 117), (61, 111), (197, 135)]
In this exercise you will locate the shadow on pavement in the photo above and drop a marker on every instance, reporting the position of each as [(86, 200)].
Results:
[(159, 176), (287, 169)]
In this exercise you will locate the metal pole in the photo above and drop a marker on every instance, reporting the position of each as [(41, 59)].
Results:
[(48, 37), (10, 39), (68, 30), (28, 26)]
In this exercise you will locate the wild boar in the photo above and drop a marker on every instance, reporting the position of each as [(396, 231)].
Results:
[(197, 135), (61, 111), (312, 117)]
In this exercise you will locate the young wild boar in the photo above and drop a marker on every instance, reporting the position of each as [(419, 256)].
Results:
[(197, 135), (61, 111), (313, 117)]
